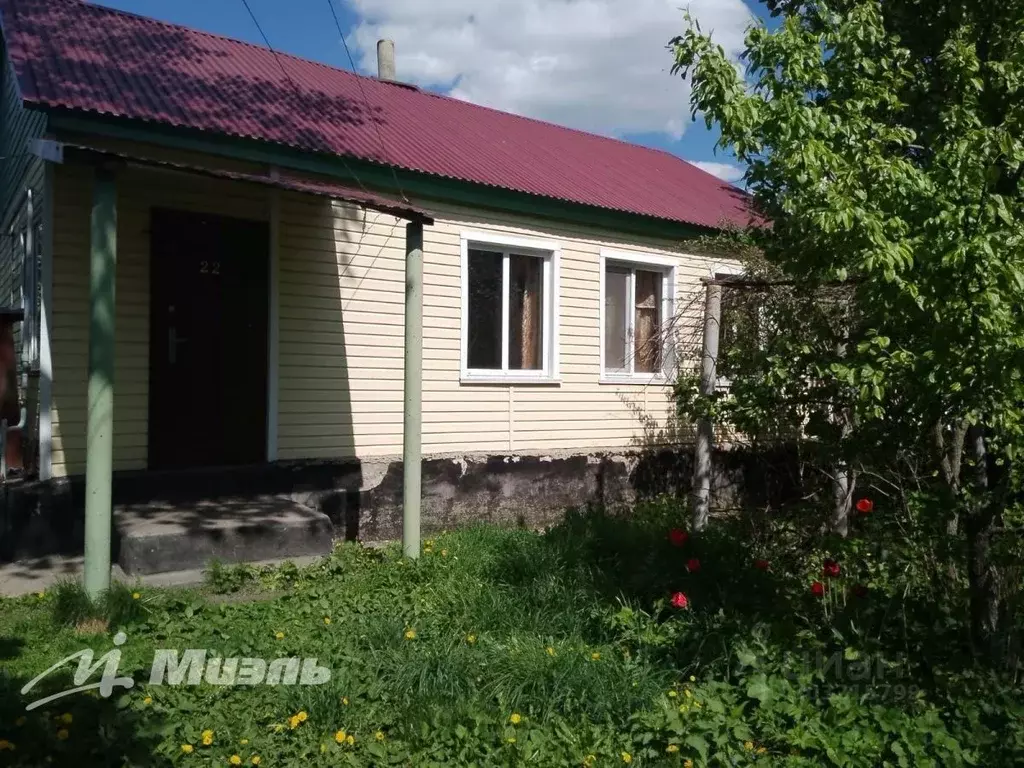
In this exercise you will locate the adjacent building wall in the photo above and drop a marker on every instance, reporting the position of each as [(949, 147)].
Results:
[(341, 299)]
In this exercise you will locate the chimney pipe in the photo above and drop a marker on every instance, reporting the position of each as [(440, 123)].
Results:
[(386, 60)]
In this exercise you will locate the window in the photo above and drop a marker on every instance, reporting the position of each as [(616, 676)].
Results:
[(508, 309), (636, 306)]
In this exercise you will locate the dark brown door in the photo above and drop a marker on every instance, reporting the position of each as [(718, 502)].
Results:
[(208, 340)]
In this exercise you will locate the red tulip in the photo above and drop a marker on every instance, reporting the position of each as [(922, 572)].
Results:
[(679, 600), (865, 505), (678, 537), (830, 569), (693, 565), (762, 565), (817, 589), (860, 590)]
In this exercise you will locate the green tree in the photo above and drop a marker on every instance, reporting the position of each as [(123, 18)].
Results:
[(883, 140)]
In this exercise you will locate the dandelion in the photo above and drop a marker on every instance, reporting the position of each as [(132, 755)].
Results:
[(235, 759), (627, 758), (550, 650), (340, 737), (672, 748), (187, 749), (327, 620), (6, 745), (761, 750), (63, 734), (410, 634), (697, 705), (595, 656), (693, 679), (243, 742), (444, 553), (688, 693), (136, 595), (748, 745), (41, 595), (344, 700), (148, 700), (471, 638), (672, 694), (379, 735), (255, 760), (207, 738), (688, 763), (302, 716), (515, 718), (293, 722), (350, 740), (279, 635), (66, 718), (589, 760), (511, 739)]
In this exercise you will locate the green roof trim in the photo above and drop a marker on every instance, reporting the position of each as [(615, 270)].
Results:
[(375, 176)]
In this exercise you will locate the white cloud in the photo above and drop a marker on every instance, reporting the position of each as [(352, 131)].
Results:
[(724, 171), (598, 65)]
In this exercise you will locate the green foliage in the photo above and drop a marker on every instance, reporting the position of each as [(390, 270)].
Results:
[(120, 606), (571, 631)]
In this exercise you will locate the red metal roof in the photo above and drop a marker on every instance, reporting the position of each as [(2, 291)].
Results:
[(89, 58)]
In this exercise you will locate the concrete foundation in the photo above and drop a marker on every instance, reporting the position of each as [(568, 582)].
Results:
[(180, 520)]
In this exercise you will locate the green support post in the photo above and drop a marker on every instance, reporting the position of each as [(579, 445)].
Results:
[(100, 420), (413, 422)]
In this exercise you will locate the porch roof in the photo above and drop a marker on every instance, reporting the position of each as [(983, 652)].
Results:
[(306, 184)]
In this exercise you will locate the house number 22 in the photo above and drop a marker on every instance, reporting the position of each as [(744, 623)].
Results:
[(209, 267)]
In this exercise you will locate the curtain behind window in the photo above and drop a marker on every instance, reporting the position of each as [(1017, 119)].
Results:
[(648, 322), (525, 309)]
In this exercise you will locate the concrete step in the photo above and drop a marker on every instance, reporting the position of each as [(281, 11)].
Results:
[(162, 536)]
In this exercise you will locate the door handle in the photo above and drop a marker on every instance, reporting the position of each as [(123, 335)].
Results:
[(172, 345)]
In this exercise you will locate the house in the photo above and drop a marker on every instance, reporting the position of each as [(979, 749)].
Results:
[(248, 209)]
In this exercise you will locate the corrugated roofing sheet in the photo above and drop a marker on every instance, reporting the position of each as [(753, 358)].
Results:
[(79, 56)]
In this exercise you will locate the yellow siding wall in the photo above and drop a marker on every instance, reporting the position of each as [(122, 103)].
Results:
[(341, 295)]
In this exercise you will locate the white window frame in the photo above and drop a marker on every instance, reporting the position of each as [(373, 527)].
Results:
[(550, 253), (668, 267)]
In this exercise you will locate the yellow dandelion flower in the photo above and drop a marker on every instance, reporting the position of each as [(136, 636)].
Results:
[(688, 693), (66, 718), (379, 735), (550, 650), (279, 635), (327, 620), (688, 763), (511, 739), (627, 758), (589, 760), (20, 721), (444, 553), (595, 656), (761, 750), (278, 727), (684, 708), (136, 595), (672, 748), (693, 679), (429, 542), (302, 716), (255, 760), (5, 744), (515, 718), (293, 722), (350, 740), (187, 748), (697, 704), (340, 737), (471, 638), (673, 694), (410, 634), (63, 734), (148, 700), (207, 737), (748, 745), (344, 700), (235, 759), (41, 595), (243, 742)]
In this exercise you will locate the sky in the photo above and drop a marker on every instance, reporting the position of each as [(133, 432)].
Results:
[(596, 65)]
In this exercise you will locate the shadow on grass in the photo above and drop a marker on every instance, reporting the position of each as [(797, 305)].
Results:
[(81, 729)]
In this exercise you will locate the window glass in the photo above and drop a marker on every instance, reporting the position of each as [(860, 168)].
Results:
[(483, 347), (616, 314)]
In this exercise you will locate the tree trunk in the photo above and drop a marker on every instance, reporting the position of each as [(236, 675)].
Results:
[(843, 481), (979, 525)]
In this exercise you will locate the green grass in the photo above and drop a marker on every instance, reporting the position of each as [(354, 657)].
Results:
[(570, 630)]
